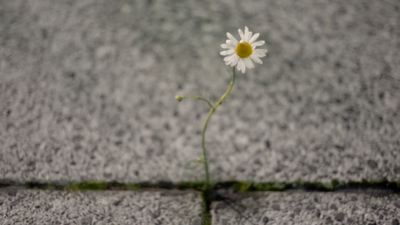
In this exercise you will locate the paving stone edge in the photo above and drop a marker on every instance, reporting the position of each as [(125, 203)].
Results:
[(208, 195)]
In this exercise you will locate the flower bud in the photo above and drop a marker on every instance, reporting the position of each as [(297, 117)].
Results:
[(178, 98)]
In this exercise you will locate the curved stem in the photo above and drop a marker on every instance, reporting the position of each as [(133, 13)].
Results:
[(208, 184), (199, 98), (227, 91), (213, 108)]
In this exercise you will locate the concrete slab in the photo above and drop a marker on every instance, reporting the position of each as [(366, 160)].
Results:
[(107, 207), (310, 208), (87, 91)]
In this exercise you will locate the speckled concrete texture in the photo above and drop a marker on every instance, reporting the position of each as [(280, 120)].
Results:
[(87, 90), (107, 207), (309, 208)]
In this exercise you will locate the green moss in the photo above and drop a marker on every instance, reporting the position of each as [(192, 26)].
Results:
[(130, 187), (335, 185), (398, 187), (87, 185), (199, 186), (252, 187), (99, 186), (236, 185), (316, 186), (365, 184), (53, 186)]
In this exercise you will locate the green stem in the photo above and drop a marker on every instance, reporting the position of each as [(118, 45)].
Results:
[(213, 108), (199, 98)]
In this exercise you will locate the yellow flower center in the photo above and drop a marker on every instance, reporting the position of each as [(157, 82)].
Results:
[(243, 49)]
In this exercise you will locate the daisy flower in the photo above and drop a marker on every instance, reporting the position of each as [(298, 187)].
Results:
[(242, 53)]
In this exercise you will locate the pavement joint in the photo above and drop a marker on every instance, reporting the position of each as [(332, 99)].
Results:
[(237, 186)]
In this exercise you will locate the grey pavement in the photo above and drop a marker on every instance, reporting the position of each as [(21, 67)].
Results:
[(19, 206), (87, 91), (309, 208)]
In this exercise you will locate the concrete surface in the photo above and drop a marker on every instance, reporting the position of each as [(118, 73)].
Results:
[(108, 207), (309, 208), (87, 91)]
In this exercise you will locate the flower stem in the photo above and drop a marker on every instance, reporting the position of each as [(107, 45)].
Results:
[(199, 98), (212, 109)]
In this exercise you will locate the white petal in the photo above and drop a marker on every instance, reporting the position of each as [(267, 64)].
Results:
[(229, 42), (227, 46), (241, 34), (256, 59), (259, 55), (254, 38), (238, 65), (232, 38), (227, 52), (242, 66), (235, 61), (248, 63), (246, 34), (228, 58), (258, 43), (232, 60), (261, 51), (239, 68), (249, 36), (230, 51)]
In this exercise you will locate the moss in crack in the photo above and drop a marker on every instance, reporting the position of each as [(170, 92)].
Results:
[(87, 185), (39, 185), (365, 184), (313, 186), (84, 186), (53, 186), (198, 186), (254, 187), (239, 186), (335, 185), (251, 186)]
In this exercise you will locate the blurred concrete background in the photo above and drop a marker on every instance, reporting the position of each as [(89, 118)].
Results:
[(87, 91)]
